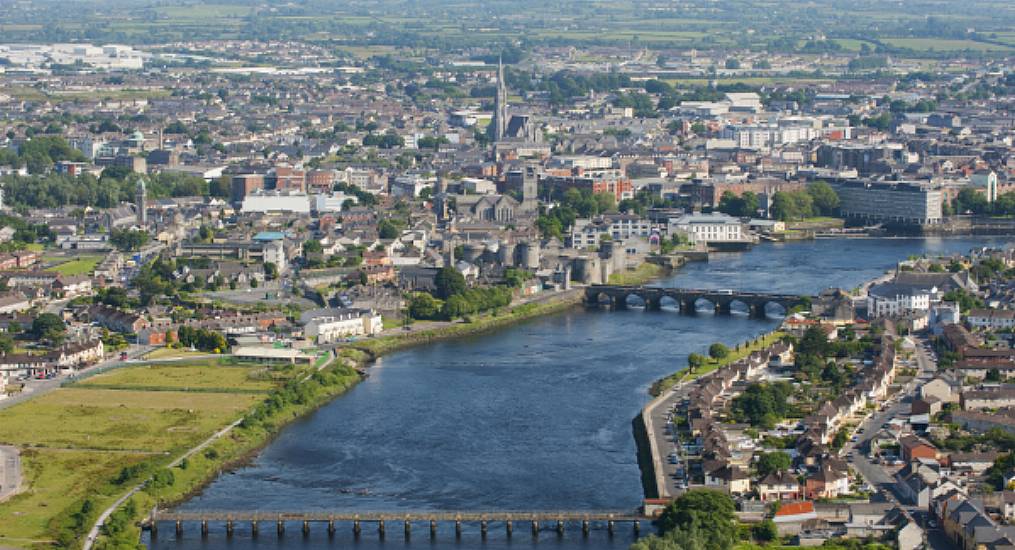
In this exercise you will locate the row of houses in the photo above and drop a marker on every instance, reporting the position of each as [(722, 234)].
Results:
[(69, 356)]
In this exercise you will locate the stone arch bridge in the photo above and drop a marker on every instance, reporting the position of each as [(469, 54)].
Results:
[(689, 299)]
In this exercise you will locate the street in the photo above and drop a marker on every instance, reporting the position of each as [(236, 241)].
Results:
[(880, 476)]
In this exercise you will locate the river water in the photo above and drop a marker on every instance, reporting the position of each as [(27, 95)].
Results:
[(533, 417)]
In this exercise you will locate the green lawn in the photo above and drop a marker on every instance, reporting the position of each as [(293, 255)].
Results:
[(643, 274), (943, 45), (75, 440), (189, 377), (81, 265)]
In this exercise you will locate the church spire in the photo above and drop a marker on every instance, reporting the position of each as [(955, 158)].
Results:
[(500, 104)]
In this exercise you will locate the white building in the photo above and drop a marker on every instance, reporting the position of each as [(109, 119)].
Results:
[(586, 232), (410, 185), (894, 300), (708, 228), (276, 201), (991, 318), (343, 324), (331, 203)]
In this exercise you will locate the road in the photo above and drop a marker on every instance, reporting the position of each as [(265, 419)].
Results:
[(10, 471), (880, 476), (34, 388)]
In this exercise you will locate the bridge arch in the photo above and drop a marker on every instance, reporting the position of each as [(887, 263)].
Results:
[(636, 300), (739, 307), (775, 310), (704, 305), (669, 303)]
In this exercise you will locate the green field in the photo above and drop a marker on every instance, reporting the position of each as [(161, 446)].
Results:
[(81, 265), (189, 377), (77, 439), (943, 45)]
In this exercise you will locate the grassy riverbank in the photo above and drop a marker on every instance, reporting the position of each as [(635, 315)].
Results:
[(645, 273), (477, 324), (86, 445), (711, 365)]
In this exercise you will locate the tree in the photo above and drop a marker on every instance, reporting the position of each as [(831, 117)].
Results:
[(718, 351), (777, 461), (49, 326), (708, 514), (270, 271), (733, 63), (6, 343), (449, 282), (128, 240), (695, 361), (388, 229), (424, 306), (824, 198), (766, 531)]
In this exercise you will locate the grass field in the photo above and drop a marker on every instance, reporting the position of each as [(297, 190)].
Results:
[(943, 45), (643, 274), (77, 439), (81, 265), (185, 377), (175, 353)]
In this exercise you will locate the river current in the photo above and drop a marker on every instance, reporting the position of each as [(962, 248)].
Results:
[(537, 416)]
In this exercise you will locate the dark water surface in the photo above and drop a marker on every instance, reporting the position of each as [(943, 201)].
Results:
[(532, 417)]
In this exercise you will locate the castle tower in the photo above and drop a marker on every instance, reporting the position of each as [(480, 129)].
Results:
[(530, 190), (141, 201)]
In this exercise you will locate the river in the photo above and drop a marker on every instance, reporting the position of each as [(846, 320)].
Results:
[(532, 417)]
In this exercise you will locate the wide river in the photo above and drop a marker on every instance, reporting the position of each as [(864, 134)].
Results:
[(532, 417)]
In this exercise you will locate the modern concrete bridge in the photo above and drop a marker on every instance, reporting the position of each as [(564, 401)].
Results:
[(381, 520), (688, 299)]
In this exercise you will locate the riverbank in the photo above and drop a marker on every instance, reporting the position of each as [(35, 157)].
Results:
[(379, 346), (648, 435), (169, 482)]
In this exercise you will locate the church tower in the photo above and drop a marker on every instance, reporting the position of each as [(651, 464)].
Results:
[(141, 201), (500, 104)]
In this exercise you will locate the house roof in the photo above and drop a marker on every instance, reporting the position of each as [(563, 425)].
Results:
[(795, 508)]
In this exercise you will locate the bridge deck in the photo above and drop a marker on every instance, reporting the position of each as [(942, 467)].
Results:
[(469, 516)]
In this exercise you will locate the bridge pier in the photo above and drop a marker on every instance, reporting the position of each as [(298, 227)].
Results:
[(280, 528), (204, 528), (560, 527), (154, 526), (535, 528), (433, 529), (380, 528), (610, 526), (408, 528), (229, 528), (331, 528), (637, 527), (253, 529), (482, 528), (306, 528), (179, 529), (585, 527), (508, 528), (458, 528), (355, 528)]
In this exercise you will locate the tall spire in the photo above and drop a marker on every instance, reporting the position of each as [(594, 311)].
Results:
[(500, 106)]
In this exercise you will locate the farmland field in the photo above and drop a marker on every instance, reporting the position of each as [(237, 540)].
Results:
[(942, 45)]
